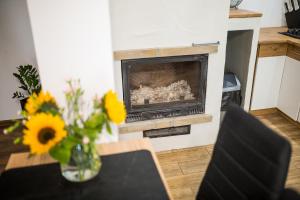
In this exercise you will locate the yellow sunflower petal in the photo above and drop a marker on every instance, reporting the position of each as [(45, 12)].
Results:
[(117, 114), (34, 102), (114, 108), (110, 99), (31, 104), (43, 132), (46, 97)]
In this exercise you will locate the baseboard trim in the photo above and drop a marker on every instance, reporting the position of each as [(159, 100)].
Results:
[(264, 111), (288, 118), (272, 111)]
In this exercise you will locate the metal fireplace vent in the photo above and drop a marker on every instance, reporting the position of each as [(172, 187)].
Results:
[(155, 88), (165, 132)]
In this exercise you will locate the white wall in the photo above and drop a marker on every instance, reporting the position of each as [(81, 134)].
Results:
[(140, 24), (73, 40), (16, 48), (273, 11), (166, 23)]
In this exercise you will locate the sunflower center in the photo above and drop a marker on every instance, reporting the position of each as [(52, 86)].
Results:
[(45, 135)]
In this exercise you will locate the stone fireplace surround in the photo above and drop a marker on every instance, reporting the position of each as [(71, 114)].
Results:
[(140, 126), (162, 28)]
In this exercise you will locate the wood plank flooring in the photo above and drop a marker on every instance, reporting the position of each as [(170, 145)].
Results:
[(185, 168), (7, 147)]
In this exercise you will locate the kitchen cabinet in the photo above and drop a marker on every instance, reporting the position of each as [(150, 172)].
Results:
[(267, 82), (289, 95)]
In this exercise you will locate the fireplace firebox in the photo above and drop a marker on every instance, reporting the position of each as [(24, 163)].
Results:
[(163, 87)]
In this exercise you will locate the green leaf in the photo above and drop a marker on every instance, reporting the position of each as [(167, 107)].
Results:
[(18, 140), (108, 127), (23, 87), (91, 133), (49, 108), (70, 141), (17, 76), (13, 127), (18, 95), (61, 154), (76, 130), (62, 151), (95, 121), (29, 79)]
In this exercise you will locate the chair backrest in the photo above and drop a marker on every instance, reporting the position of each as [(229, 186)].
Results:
[(249, 161)]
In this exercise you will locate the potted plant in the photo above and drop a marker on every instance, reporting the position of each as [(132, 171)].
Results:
[(29, 79), (68, 135)]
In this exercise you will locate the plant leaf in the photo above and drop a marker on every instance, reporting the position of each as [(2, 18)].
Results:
[(29, 79), (62, 151), (70, 141), (15, 95), (108, 127), (18, 95), (91, 133), (23, 87), (18, 140), (60, 154), (95, 121), (13, 127)]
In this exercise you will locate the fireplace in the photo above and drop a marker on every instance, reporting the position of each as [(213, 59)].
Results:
[(164, 87)]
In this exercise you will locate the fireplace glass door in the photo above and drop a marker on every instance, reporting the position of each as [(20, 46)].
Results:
[(160, 87)]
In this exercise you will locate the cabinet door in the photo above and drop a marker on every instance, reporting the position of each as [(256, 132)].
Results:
[(289, 96), (267, 82)]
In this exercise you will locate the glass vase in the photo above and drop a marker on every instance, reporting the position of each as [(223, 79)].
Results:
[(85, 163)]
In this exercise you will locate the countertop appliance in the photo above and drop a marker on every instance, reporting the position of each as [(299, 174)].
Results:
[(292, 16), (293, 32)]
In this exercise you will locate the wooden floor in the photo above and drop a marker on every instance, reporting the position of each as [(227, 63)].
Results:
[(185, 168), (7, 147)]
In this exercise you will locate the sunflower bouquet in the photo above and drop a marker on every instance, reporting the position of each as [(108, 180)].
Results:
[(65, 133)]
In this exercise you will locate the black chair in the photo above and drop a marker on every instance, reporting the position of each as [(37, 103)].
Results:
[(249, 161)]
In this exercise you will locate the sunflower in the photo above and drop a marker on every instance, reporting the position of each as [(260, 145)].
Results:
[(35, 102), (115, 109), (31, 105), (43, 132)]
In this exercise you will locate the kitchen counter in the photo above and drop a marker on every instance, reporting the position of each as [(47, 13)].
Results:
[(272, 43), (240, 13), (272, 36), (276, 76)]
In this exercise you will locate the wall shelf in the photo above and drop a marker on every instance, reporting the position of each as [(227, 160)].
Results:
[(165, 52), (240, 13)]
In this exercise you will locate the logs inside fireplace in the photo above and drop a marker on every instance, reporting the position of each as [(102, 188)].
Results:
[(162, 87)]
